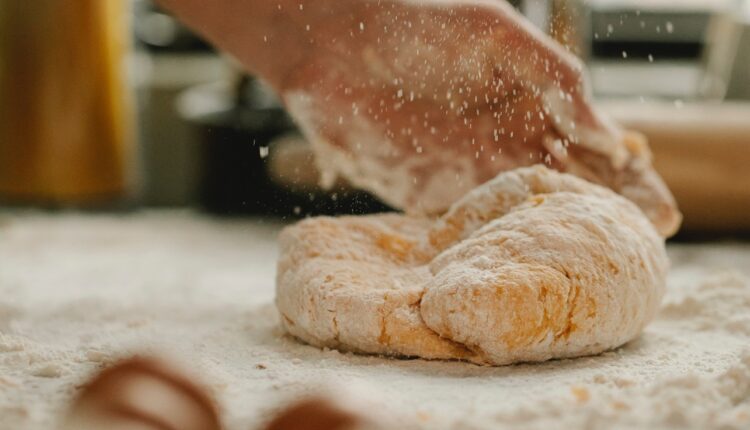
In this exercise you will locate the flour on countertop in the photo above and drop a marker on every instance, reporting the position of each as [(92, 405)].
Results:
[(77, 292)]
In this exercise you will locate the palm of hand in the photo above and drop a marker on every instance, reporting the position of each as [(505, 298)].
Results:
[(420, 105)]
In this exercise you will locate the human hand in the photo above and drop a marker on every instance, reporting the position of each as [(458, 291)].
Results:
[(421, 101)]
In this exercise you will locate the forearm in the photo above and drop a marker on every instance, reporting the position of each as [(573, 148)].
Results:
[(265, 36)]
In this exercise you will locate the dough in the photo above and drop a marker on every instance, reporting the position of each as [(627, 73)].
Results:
[(530, 266)]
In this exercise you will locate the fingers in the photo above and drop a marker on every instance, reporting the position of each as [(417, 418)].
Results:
[(531, 60), (620, 161), (642, 185), (145, 393), (637, 180), (579, 123)]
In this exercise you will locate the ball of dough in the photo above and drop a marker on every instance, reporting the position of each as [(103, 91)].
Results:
[(530, 266)]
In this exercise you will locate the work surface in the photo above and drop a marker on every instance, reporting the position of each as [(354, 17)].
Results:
[(80, 291)]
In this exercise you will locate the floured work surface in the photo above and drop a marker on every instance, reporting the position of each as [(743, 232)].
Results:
[(79, 292)]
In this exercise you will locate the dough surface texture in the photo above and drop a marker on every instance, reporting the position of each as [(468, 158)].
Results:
[(533, 265)]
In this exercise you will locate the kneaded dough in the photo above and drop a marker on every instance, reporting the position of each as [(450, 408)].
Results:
[(530, 266)]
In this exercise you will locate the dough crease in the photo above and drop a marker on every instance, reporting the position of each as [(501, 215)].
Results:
[(530, 266)]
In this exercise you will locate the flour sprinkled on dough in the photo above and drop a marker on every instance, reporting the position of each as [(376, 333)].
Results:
[(531, 266)]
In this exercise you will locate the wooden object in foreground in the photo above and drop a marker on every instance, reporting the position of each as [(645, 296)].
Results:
[(142, 394), (147, 394), (318, 414), (702, 150), (65, 127)]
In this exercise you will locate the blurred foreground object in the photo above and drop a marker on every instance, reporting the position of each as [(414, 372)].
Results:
[(330, 413), (142, 394), (65, 131)]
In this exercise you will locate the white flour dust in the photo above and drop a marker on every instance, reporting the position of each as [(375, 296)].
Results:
[(78, 292)]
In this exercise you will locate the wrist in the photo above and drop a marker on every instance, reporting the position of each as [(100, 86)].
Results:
[(265, 37)]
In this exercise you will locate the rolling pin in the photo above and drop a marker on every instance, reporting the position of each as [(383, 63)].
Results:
[(702, 150)]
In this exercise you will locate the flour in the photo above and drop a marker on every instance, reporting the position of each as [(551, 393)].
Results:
[(380, 165), (79, 292)]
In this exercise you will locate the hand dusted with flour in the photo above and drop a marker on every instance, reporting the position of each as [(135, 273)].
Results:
[(422, 101), (531, 266)]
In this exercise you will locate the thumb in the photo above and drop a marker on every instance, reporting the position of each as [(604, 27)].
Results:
[(580, 122)]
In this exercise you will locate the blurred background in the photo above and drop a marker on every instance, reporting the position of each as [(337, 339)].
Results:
[(112, 105)]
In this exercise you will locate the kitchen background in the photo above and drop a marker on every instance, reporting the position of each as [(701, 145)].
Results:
[(111, 105)]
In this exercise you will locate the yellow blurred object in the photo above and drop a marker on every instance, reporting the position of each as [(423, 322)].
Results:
[(65, 117), (565, 25)]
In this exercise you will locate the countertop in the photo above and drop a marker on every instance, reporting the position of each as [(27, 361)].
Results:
[(80, 291)]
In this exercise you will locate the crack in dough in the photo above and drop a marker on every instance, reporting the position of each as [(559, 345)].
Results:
[(530, 266)]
